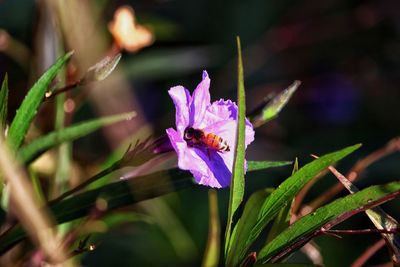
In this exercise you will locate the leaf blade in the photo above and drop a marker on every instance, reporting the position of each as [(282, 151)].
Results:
[(262, 165), (378, 217), (281, 196), (273, 108), (329, 215), (4, 102), (30, 151), (250, 214), (237, 181), (29, 106), (117, 194)]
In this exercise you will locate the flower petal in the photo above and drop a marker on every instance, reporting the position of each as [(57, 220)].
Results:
[(223, 114), (182, 99), (220, 110), (186, 158), (200, 101), (217, 174), (221, 119)]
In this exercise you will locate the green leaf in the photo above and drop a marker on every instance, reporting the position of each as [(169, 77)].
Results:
[(37, 187), (382, 220), (272, 108), (262, 165), (4, 103), (117, 194), (378, 217), (28, 109), (281, 197), (327, 216), (281, 222), (31, 151), (249, 217), (237, 181)]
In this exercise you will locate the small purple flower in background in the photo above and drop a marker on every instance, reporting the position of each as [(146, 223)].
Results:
[(208, 151)]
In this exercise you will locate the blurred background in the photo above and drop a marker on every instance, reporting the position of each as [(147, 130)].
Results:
[(346, 53)]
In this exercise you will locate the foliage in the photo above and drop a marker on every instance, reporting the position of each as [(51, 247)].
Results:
[(263, 227)]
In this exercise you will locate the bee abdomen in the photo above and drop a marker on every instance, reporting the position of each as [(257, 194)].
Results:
[(216, 142)]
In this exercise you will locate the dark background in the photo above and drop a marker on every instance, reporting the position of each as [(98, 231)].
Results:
[(346, 53)]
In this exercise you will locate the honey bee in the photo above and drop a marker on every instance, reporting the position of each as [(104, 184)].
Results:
[(197, 137)]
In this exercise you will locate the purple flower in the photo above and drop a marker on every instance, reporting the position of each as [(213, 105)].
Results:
[(210, 167)]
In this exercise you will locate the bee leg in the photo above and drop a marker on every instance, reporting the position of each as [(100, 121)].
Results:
[(209, 153)]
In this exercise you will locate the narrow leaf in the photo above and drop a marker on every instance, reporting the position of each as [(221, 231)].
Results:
[(248, 219), (29, 107), (281, 222), (326, 217), (262, 165), (117, 194), (378, 217), (280, 197), (237, 181), (272, 108), (30, 151), (4, 103)]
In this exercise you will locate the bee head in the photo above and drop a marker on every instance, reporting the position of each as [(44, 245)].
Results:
[(188, 134)]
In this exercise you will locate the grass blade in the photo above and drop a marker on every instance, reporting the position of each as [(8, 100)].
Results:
[(326, 217), (281, 197), (378, 217), (117, 194), (250, 214), (237, 181), (4, 103), (281, 222), (272, 108), (262, 165), (28, 109), (30, 151)]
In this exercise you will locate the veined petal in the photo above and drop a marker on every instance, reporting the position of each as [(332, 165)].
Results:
[(182, 99), (216, 173), (220, 110), (200, 101), (186, 159), (249, 134), (221, 119)]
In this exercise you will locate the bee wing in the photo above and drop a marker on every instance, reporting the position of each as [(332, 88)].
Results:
[(224, 129), (227, 130)]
